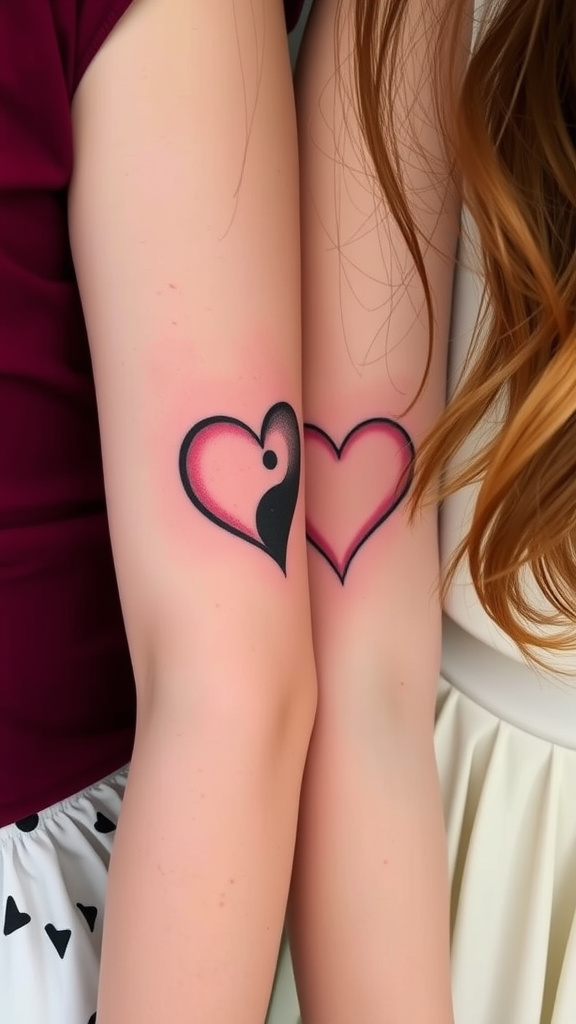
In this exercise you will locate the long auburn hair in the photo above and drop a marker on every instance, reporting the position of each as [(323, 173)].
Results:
[(511, 128)]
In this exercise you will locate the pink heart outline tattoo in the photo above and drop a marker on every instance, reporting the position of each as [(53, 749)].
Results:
[(388, 502), (268, 528)]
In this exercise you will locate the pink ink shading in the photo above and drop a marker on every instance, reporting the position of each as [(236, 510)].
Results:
[(244, 482), (195, 461), (393, 487)]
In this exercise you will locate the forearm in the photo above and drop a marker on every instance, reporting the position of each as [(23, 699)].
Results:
[(184, 227), (202, 863), (369, 908), (369, 905), (370, 901)]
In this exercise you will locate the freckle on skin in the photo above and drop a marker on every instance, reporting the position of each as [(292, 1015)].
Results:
[(172, 286)]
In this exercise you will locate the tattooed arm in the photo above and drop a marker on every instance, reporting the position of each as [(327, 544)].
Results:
[(369, 908), (184, 224)]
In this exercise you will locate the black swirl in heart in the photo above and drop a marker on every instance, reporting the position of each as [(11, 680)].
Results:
[(227, 468)]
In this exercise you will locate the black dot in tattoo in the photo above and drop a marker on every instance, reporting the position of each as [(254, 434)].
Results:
[(270, 460)]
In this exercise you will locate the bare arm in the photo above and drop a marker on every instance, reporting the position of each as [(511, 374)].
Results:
[(184, 222), (370, 897)]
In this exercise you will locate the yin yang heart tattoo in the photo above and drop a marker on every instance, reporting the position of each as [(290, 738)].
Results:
[(244, 482)]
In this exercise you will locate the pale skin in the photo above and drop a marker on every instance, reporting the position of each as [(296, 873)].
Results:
[(184, 227), (369, 906)]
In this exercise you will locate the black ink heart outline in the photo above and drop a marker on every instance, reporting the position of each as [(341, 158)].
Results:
[(338, 450), (276, 521)]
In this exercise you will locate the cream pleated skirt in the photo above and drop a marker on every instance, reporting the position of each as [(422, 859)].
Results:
[(510, 809)]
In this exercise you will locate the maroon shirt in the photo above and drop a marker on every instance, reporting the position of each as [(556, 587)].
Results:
[(67, 704)]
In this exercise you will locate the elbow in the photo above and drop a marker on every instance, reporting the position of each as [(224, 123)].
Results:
[(254, 712), (271, 717)]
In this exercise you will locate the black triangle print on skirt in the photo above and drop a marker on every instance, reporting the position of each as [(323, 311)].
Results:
[(89, 914), (14, 919), (103, 824), (59, 939)]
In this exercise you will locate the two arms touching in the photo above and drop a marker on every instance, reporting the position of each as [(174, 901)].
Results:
[(185, 214)]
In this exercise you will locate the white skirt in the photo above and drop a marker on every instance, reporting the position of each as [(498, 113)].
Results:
[(53, 871)]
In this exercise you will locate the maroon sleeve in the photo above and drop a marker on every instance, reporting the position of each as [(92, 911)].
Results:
[(97, 18), (95, 21)]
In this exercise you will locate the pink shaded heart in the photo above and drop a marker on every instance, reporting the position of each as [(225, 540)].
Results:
[(246, 483), (353, 488)]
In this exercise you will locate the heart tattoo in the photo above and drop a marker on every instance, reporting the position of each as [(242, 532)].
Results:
[(226, 470), (353, 488)]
